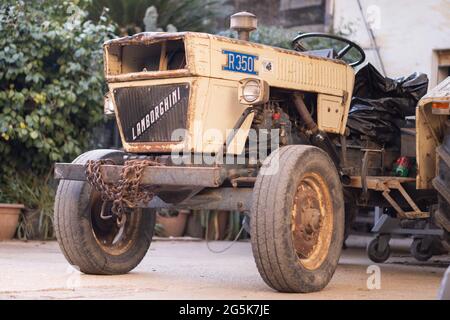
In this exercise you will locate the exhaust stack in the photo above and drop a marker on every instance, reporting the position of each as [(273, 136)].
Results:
[(244, 23)]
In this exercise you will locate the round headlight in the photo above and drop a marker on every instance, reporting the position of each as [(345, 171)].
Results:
[(251, 91)]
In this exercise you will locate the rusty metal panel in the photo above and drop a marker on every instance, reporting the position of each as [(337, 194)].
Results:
[(152, 113), (330, 111), (158, 175)]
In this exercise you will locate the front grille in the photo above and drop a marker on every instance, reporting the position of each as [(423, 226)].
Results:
[(152, 113)]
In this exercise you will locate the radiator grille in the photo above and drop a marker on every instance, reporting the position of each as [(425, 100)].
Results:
[(152, 113)]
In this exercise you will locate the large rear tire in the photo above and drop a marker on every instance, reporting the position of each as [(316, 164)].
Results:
[(89, 242), (297, 219), (442, 184)]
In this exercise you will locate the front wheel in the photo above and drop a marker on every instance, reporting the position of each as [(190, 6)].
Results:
[(93, 242), (297, 219)]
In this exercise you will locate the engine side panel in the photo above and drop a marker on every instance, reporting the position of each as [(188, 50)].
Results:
[(429, 134)]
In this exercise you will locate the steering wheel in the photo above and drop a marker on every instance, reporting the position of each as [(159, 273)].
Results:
[(298, 45)]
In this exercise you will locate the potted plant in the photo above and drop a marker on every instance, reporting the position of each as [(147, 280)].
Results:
[(9, 219), (171, 223), (35, 192)]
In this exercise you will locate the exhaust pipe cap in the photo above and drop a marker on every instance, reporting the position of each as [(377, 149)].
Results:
[(243, 22)]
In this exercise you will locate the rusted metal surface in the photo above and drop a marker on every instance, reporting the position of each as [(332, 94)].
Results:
[(318, 138), (304, 113), (235, 182), (312, 221), (132, 76), (229, 199), (373, 182), (385, 184), (164, 175), (157, 147), (111, 236), (152, 37), (127, 192)]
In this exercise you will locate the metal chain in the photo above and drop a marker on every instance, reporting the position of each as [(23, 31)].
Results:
[(127, 193)]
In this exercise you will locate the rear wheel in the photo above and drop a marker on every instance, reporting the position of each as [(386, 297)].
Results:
[(442, 184), (94, 243), (297, 219)]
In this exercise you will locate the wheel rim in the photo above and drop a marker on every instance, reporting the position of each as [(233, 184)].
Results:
[(106, 230), (312, 221)]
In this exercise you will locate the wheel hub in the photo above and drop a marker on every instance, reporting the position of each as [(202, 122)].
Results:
[(110, 235), (311, 221)]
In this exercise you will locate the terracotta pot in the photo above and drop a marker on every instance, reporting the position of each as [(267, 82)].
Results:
[(173, 226), (9, 218)]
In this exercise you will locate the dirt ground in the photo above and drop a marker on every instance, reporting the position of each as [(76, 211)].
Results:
[(188, 270)]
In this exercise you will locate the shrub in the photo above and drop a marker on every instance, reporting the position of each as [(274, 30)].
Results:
[(51, 92), (51, 82), (37, 194), (192, 15)]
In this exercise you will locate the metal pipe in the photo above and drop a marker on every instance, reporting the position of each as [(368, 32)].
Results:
[(318, 138), (372, 37), (244, 23), (229, 199), (304, 113)]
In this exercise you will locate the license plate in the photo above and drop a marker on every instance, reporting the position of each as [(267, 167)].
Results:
[(240, 62)]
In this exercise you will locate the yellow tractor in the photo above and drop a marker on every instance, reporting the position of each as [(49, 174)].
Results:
[(216, 123)]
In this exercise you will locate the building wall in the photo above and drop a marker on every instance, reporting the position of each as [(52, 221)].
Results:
[(408, 32), (304, 15)]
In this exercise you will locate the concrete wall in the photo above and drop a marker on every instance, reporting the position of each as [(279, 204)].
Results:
[(304, 15), (407, 32)]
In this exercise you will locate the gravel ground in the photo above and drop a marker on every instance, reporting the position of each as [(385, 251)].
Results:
[(188, 270)]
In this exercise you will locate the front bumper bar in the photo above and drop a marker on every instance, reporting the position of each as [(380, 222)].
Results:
[(208, 177), (206, 180)]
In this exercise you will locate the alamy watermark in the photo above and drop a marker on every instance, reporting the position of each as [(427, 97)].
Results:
[(374, 279), (73, 280), (258, 145)]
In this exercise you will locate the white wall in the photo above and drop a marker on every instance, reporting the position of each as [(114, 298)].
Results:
[(407, 32)]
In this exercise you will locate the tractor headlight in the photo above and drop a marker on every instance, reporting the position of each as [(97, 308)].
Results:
[(108, 106), (253, 91)]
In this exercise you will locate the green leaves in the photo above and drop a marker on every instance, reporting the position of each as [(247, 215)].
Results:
[(34, 134), (51, 82), (185, 15)]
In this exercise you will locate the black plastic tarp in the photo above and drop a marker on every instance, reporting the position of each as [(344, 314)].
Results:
[(380, 104)]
